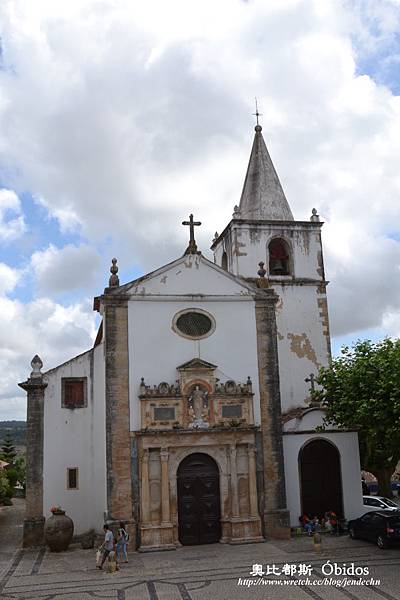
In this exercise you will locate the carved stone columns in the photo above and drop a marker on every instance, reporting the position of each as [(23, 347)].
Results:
[(276, 515), (145, 489), (234, 483), (165, 507), (34, 519), (156, 530)]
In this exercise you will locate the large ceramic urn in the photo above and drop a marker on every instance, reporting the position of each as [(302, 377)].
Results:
[(58, 531)]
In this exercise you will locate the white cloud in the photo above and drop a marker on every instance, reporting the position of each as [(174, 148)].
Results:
[(42, 327), (122, 118), (8, 279), (65, 269), (12, 222)]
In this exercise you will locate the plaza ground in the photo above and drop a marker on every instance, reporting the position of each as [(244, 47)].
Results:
[(209, 572)]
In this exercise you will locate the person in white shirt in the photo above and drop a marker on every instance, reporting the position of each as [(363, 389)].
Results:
[(108, 544)]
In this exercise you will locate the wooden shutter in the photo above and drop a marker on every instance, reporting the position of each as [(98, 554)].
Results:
[(74, 393)]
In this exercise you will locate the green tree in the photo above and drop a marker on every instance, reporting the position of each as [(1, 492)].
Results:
[(20, 469), (8, 449), (361, 389), (6, 491)]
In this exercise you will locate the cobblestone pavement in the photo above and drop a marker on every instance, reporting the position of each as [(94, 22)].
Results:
[(208, 572)]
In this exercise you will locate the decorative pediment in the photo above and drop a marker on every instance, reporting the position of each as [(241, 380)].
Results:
[(191, 274), (197, 364)]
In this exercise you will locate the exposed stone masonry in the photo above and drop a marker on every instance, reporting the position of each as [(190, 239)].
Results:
[(276, 516), (34, 519), (118, 458)]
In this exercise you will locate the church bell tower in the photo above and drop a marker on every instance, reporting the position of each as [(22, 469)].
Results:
[(263, 230)]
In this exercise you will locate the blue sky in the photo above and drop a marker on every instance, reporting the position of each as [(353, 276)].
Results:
[(115, 124)]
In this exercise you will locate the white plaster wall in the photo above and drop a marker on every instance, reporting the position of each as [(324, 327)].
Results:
[(347, 444), (76, 438), (302, 346), (155, 350)]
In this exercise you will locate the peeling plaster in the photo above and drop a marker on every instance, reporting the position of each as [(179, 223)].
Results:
[(237, 245), (301, 346), (255, 236)]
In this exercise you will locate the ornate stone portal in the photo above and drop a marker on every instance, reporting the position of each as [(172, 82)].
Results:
[(197, 414)]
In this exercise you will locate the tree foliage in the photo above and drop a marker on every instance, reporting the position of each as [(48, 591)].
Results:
[(6, 490), (361, 389), (8, 449), (20, 470)]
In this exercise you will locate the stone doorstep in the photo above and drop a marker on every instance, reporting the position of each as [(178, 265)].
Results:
[(294, 534)]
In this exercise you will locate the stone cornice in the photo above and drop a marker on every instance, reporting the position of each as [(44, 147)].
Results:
[(198, 432), (268, 225), (33, 384), (314, 432)]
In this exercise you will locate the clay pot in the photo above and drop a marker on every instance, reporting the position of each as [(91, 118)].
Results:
[(58, 531)]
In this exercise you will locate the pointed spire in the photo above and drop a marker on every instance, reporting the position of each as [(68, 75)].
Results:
[(263, 197)]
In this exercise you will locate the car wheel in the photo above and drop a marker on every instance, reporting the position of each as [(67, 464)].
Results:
[(381, 542), (352, 533)]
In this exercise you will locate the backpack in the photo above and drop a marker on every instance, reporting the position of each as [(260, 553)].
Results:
[(125, 534)]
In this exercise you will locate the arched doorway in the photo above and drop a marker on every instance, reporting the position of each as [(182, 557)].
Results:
[(320, 479), (198, 500)]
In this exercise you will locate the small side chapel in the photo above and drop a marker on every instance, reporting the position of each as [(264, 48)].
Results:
[(190, 419)]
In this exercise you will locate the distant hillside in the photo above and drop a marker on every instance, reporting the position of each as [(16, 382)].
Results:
[(16, 429)]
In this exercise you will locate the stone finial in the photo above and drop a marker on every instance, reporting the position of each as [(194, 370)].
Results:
[(36, 364), (216, 236), (114, 279), (262, 282), (314, 216), (236, 212), (261, 272)]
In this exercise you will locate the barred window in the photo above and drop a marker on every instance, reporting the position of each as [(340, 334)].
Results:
[(194, 324)]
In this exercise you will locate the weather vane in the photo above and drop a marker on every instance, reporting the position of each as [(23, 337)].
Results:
[(257, 114)]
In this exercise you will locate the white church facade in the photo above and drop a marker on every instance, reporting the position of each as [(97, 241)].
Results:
[(190, 419)]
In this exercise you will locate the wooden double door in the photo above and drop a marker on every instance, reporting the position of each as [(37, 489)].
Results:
[(198, 500), (321, 479)]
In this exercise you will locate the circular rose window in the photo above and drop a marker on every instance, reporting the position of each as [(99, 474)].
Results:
[(193, 323)]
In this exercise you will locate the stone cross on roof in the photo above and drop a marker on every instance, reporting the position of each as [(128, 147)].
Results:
[(257, 114), (192, 248)]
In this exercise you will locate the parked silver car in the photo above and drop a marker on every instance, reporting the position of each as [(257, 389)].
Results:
[(378, 502)]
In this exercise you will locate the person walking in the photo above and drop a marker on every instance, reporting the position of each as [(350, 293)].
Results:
[(122, 542), (107, 546)]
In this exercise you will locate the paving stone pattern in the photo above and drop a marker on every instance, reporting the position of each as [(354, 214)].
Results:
[(207, 572)]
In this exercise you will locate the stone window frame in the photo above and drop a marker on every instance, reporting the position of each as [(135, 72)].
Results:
[(193, 310), (65, 380), (289, 245), (77, 478)]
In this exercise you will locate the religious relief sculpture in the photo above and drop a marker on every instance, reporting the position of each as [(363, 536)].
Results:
[(198, 409)]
